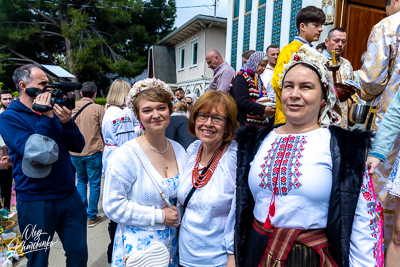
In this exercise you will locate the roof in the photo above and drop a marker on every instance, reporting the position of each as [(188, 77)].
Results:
[(197, 23)]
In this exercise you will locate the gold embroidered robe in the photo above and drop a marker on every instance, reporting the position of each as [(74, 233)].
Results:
[(345, 73), (380, 76)]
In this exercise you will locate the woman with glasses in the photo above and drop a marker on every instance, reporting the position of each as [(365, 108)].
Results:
[(208, 184), (190, 100)]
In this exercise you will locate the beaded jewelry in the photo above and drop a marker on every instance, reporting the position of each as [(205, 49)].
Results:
[(200, 180)]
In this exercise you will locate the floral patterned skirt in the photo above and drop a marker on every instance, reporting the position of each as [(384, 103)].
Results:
[(393, 184), (135, 238)]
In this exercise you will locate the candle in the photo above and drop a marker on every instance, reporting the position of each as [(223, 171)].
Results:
[(333, 58)]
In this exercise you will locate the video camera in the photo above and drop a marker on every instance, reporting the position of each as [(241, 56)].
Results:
[(59, 96)]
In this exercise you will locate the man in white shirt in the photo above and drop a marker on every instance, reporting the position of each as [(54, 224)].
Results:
[(272, 53)]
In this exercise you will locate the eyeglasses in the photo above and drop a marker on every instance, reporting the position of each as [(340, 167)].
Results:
[(189, 103), (216, 119)]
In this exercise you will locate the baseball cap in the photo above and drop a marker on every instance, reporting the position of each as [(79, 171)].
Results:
[(39, 154)]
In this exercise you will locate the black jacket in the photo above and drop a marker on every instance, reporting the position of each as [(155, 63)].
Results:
[(348, 150), (177, 130)]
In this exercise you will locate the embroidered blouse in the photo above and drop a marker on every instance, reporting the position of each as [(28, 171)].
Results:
[(117, 128), (206, 235), (301, 164)]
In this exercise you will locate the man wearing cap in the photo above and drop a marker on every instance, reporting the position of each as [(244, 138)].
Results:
[(47, 198)]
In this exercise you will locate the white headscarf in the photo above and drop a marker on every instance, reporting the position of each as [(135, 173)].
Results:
[(330, 114), (194, 99)]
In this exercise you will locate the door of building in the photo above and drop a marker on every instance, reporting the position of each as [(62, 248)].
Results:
[(358, 17)]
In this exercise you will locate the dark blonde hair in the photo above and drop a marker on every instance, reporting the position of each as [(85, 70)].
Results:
[(153, 94), (118, 92), (180, 105), (215, 99)]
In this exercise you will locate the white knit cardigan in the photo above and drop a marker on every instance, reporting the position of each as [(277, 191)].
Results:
[(129, 196)]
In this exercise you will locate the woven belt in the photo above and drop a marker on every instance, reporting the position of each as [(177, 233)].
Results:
[(282, 240)]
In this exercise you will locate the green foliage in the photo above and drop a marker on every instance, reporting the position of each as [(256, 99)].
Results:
[(15, 94), (101, 101), (99, 42), (1, 85)]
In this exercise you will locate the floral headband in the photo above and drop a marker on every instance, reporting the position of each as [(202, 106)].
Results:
[(145, 84), (330, 112)]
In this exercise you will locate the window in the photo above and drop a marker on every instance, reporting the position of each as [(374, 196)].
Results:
[(248, 5), (193, 57), (236, 6), (181, 64)]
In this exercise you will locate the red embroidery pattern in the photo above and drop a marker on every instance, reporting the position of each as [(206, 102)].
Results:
[(280, 171)]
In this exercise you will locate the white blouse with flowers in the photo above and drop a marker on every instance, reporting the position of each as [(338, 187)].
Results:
[(300, 165)]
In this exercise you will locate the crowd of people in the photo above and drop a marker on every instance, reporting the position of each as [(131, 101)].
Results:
[(264, 169)]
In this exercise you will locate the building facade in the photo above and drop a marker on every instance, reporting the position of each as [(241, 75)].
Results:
[(255, 24), (187, 47)]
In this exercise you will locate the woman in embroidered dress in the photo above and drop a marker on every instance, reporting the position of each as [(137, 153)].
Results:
[(303, 195), (206, 232), (117, 128), (247, 88), (130, 197)]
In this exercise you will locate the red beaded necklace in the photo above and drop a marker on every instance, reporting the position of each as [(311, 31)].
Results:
[(200, 180)]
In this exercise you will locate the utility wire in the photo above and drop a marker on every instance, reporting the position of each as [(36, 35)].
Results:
[(123, 6)]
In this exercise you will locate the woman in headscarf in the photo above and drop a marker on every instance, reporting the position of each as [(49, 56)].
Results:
[(303, 195), (190, 100), (247, 88)]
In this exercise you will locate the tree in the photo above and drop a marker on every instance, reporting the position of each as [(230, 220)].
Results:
[(94, 40)]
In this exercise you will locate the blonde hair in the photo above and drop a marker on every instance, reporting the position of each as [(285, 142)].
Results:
[(180, 105), (118, 92)]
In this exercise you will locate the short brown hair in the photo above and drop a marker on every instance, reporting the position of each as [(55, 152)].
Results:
[(247, 54), (180, 105), (271, 46), (153, 94), (310, 14), (213, 99), (88, 89)]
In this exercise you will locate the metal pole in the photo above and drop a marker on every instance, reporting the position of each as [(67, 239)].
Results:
[(215, 8)]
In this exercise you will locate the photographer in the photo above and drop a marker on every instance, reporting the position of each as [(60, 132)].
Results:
[(47, 198)]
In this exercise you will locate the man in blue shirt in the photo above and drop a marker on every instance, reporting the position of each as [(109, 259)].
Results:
[(50, 202)]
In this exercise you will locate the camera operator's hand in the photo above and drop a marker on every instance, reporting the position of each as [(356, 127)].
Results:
[(62, 113), (44, 100)]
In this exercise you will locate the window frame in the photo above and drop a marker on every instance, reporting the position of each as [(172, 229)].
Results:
[(180, 49), (192, 43)]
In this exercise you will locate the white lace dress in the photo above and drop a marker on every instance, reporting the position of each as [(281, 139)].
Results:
[(131, 199)]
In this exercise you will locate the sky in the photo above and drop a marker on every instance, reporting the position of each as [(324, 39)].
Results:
[(185, 14)]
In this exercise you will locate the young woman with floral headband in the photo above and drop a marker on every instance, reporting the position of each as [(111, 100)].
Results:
[(303, 195), (130, 197)]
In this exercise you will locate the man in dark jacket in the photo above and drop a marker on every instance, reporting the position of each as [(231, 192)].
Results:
[(47, 198)]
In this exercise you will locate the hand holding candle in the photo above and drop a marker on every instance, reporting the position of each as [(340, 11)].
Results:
[(333, 58)]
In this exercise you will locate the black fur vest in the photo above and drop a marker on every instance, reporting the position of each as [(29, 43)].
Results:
[(348, 150)]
